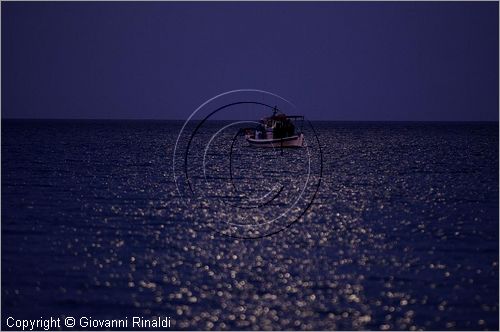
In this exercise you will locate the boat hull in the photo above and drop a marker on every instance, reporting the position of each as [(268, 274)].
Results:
[(287, 142)]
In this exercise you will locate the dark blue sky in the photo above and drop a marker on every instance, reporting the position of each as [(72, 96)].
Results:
[(334, 60)]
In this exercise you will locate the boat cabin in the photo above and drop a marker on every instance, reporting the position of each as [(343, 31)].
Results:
[(274, 127)]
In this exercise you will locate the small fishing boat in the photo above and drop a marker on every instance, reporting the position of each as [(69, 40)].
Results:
[(276, 131)]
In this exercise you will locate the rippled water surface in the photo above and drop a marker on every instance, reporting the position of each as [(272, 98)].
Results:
[(402, 234)]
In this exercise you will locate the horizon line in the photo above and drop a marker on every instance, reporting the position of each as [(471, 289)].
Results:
[(152, 119)]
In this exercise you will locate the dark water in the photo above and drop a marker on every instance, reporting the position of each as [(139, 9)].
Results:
[(403, 233)]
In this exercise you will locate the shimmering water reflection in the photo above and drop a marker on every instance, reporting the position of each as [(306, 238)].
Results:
[(403, 233)]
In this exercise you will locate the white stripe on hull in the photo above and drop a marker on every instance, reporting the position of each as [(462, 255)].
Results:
[(287, 142)]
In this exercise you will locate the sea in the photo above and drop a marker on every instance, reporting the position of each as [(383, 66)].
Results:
[(397, 227)]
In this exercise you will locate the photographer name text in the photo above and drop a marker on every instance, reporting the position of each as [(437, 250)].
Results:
[(52, 323)]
